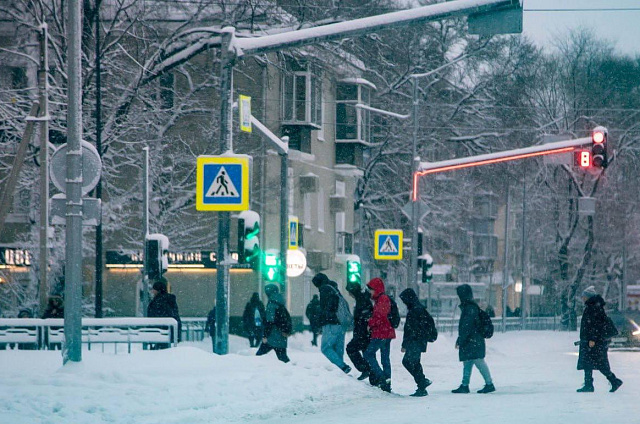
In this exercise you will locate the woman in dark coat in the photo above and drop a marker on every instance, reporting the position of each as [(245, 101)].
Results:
[(470, 342), (313, 314), (163, 305), (253, 320), (277, 325), (594, 341), (417, 327)]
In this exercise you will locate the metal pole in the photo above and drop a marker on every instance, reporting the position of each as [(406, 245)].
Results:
[(43, 87), (523, 293), (222, 290), (73, 264), (284, 223), (505, 266), (144, 295), (415, 164), (98, 117)]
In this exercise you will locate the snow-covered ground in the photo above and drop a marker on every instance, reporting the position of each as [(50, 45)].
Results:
[(534, 373)]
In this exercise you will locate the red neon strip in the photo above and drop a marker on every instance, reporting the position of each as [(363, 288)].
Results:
[(479, 163)]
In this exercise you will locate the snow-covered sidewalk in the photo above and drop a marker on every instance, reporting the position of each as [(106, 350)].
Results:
[(534, 373)]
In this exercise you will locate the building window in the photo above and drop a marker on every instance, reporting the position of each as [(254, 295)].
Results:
[(302, 96), (307, 210), (353, 124), (321, 210)]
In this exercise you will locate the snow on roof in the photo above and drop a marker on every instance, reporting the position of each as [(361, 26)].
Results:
[(360, 81)]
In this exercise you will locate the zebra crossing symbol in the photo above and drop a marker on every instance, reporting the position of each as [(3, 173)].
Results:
[(388, 245), (222, 183)]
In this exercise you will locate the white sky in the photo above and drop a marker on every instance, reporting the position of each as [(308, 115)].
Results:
[(620, 26)]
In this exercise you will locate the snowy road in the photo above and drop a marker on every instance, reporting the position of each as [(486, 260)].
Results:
[(534, 373)]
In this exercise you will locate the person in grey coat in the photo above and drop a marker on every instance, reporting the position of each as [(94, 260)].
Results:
[(470, 342), (277, 325)]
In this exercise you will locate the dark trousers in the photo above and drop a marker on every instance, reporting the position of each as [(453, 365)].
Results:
[(315, 330), (354, 349), (384, 346), (411, 362), (255, 336), (605, 370), (281, 352)]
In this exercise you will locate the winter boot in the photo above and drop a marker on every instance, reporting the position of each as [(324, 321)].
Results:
[(364, 376), (427, 383), (385, 385), (461, 389), (346, 368), (615, 384), (420, 392), (587, 388), (488, 388)]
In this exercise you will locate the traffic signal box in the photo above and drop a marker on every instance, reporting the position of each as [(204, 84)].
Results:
[(354, 272), (271, 266), (155, 248), (599, 147), (249, 238)]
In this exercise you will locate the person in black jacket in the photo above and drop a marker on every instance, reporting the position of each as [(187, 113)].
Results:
[(594, 341), (210, 327), (163, 305), (332, 345), (470, 342), (416, 331), (277, 325), (361, 334), (253, 320), (313, 314)]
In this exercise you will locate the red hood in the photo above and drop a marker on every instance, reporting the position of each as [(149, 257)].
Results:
[(378, 287)]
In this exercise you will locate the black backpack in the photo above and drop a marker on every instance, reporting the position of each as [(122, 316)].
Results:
[(394, 314), (431, 333), (486, 326)]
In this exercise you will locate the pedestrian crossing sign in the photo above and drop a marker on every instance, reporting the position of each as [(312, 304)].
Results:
[(293, 232), (388, 245), (222, 183)]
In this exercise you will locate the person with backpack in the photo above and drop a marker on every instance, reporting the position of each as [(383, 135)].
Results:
[(361, 334), (312, 312), (472, 330), (596, 330), (277, 326), (333, 330), (253, 319), (382, 333), (419, 329)]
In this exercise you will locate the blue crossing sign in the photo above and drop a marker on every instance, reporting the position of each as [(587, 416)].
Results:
[(222, 183), (293, 232), (388, 245)]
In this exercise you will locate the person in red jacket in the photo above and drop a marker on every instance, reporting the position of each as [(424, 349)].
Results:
[(381, 334)]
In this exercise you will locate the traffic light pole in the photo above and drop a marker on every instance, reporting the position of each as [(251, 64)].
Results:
[(415, 163), (284, 223)]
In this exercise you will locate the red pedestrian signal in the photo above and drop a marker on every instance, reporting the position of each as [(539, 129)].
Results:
[(582, 158)]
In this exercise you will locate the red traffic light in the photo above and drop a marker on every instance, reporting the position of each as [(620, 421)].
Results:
[(598, 137)]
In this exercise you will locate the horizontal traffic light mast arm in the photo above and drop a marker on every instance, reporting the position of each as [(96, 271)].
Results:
[(427, 168), (280, 145), (362, 26)]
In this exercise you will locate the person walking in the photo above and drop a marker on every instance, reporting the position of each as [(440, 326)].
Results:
[(313, 315), (277, 326), (253, 319), (361, 335), (332, 344), (382, 333), (163, 305), (418, 330), (210, 327), (470, 343), (596, 330)]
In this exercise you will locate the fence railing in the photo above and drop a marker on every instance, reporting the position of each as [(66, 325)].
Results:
[(33, 333), (450, 325)]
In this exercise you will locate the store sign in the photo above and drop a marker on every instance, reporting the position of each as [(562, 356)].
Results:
[(15, 257), (199, 259), (296, 263)]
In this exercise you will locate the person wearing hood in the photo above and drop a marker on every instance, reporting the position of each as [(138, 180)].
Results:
[(253, 319), (417, 327), (595, 332), (312, 312), (277, 326), (382, 333), (470, 342), (332, 344), (361, 334), (164, 304)]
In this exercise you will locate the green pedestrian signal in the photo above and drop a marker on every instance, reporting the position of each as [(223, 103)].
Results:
[(248, 238), (354, 272), (271, 266)]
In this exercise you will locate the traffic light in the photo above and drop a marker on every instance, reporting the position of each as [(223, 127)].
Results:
[(271, 266), (582, 158), (248, 238), (599, 147), (155, 254), (426, 262), (354, 272)]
